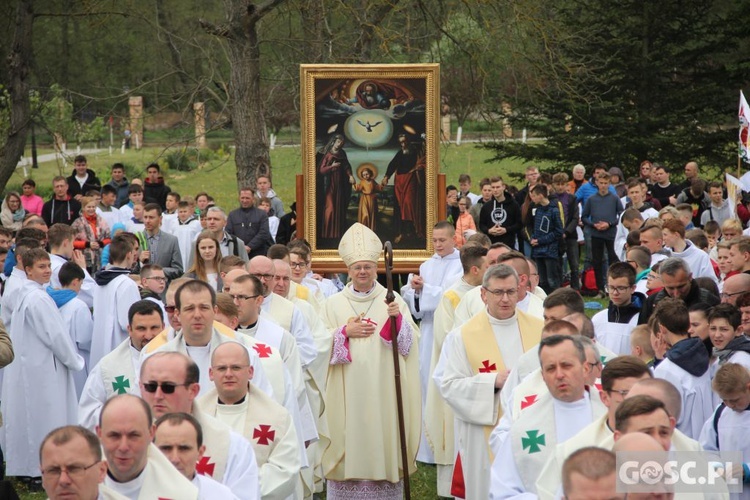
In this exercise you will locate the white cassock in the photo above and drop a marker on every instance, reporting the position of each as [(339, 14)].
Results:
[(80, 325), (116, 373), (615, 335), (160, 479), (229, 458), (695, 390), (437, 415), (290, 318), (169, 222), (467, 383), (472, 303), (438, 274), (111, 216), (186, 235), (11, 296), (209, 489), (532, 438), (88, 287), (726, 430), (111, 304), (38, 392), (270, 430), (698, 261)]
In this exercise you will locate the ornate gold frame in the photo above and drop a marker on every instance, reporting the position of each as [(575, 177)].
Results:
[(327, 260)]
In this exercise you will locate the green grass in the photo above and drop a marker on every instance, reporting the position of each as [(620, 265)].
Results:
[(218, 178)]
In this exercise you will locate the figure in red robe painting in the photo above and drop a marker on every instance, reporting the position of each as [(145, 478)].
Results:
[(336, 172), (409, 186)]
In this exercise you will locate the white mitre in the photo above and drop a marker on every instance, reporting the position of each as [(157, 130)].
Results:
[(360, 243)]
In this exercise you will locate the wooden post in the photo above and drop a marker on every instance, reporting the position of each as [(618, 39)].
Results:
[(200, 124), (507, 129), (136, 120)]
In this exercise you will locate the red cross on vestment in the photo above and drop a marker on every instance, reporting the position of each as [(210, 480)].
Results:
[(369, 321), (487, 367), (264, 434), (205, 468), (263, 350), (528, 401)]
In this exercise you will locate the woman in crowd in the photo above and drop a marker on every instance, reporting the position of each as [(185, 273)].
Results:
[(93, 234), (207, 261), (12, 212)]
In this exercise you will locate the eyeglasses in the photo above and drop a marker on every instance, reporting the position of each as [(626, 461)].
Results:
[(72, 471), (282, 278), (619, 289), (725, 295), (263, 276), (653, 277), (229, 368), (298, 265), (499, 293), (160, 279), (240, 297), (166, 387), (594, 364), (621, 393), (368, 268), (170, 309)]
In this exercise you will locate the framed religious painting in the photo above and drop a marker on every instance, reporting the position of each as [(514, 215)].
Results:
[(370, 141)]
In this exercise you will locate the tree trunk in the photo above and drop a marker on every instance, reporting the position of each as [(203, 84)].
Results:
[(18, 86)]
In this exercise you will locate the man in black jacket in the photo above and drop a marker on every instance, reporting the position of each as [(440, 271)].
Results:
[(82, 180), (678, 284), (154, 189), (500, 218), (250, 224), (61, 208)]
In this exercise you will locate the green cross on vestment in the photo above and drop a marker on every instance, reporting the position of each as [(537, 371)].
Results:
[(603, 359), (120, 384), (532, 441)]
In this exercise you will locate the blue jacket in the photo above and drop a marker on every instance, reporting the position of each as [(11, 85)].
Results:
[(590, 188), (548, 231)]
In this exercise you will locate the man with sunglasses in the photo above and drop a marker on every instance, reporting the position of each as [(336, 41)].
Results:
[(473, 368), (169, 384), (282, 311), (117, 372)]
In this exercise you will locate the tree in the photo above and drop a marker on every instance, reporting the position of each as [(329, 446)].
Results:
[(642, 80), (18, 92)]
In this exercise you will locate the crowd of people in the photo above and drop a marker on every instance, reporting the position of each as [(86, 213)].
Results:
[(155, 346)]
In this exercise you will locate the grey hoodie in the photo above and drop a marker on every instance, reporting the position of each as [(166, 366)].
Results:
[(719, 214)]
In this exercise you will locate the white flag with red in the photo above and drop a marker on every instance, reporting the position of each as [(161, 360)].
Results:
[(744, 116)]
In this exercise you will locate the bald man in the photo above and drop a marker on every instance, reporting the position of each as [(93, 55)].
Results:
[(281, 310), (231, 276), (137, 469), (733, 287)]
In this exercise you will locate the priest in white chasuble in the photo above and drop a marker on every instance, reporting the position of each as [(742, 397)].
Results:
[(473, 367), (363, 459), (553, 417), (438, 416)]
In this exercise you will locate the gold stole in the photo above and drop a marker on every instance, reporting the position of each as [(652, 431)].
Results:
[(484, 354), (453, 297)]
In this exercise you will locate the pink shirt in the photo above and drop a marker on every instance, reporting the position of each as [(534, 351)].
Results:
[(32, 204)]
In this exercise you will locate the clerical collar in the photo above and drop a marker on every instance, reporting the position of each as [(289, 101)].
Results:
[(574, 404), (248, 327), (237, 403), (363, 294), (125, 483)]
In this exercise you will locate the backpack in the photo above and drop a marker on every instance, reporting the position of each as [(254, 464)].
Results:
[(588, 283)]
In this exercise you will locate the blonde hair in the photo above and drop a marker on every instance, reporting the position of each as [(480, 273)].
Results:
[(732, 224), (641, 337), (732, 378)]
